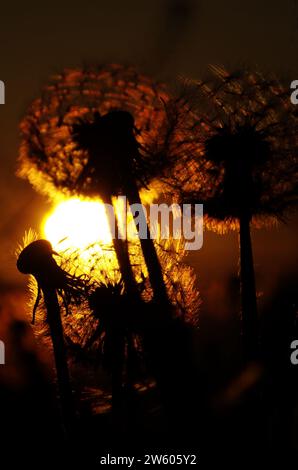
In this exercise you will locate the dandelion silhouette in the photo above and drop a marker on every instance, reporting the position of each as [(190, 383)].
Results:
[(120, 331), (61, 153), (117, 314), (99, 132), (114, 327), (117, 165), (243, 167), (132, 348), (37, 259)]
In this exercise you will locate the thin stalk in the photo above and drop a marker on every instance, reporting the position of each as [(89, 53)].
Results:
[(248, 291), (149, 253), (56, 330), (120, 247)]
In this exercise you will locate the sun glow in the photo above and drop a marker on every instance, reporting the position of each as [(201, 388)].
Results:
[(77, 224), (79, 232)]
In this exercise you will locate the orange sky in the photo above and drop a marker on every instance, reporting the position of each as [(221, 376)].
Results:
[(37, 39)]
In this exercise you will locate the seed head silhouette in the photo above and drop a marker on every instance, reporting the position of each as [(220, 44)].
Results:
[(35, 257)]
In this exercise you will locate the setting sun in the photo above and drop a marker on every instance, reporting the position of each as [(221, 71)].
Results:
[(77, 224), (78, 230)]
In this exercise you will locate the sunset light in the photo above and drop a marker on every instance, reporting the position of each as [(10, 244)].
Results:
[(149, 222), (77, 224)]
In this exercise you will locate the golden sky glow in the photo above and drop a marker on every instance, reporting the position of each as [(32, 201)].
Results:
[(77, 224), (78, 230)]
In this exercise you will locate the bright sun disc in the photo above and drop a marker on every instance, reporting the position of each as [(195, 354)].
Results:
[(77, 224)]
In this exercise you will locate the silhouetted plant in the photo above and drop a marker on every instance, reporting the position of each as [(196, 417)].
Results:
[(58, 156), (115, 161), (85, 329), (36, 259), (111, 320), (97, 131), (243, 164), (132, 349), (117, 336)]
